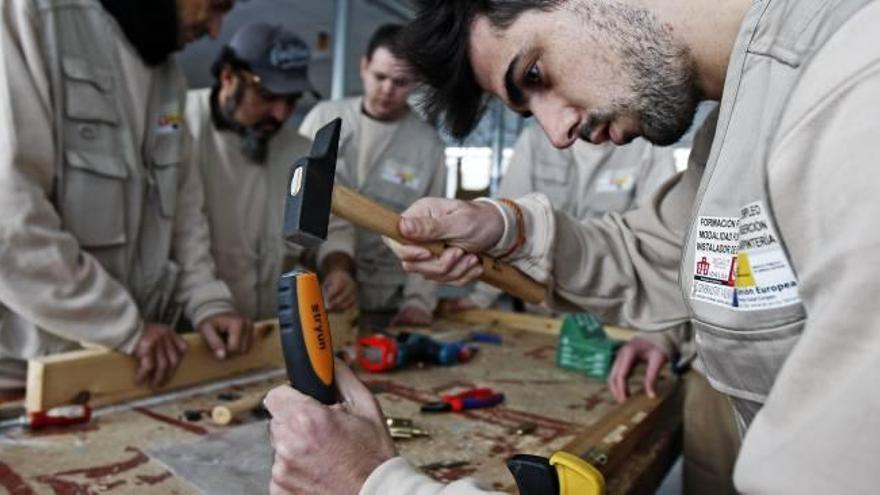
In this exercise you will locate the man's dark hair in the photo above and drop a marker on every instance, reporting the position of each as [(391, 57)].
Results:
[(388, 37), (436, 45), (226, 57)]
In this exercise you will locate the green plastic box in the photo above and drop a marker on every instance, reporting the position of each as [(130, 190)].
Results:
[(583, 346)]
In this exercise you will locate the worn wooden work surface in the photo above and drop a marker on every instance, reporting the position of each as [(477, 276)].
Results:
[(110, 455)]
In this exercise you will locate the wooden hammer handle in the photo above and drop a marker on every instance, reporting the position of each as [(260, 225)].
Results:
[(370, 215)]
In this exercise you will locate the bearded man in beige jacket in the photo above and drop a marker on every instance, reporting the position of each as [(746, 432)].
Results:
[(765, 244), (100, 220), (244, 150)]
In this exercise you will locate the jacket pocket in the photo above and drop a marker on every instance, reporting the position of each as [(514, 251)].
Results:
[(166, 165), (93, 204), (744, 364), (88, 91), (90, 116)]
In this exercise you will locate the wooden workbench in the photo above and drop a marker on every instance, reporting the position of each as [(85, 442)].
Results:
[(572, 412)]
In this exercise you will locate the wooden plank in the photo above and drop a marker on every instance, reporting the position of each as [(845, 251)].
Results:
[(107, 377), (609, 442), (520, 321), (650, 461), (104, 376), (524, 321), (343, 329)]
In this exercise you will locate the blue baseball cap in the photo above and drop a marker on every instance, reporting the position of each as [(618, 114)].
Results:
[(279, 58)]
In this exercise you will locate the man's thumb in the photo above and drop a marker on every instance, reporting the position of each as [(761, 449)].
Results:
[(421, 229)]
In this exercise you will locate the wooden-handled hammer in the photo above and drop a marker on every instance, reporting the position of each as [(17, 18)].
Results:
[(312, 196)]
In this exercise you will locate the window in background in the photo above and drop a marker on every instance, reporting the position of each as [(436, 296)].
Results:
[(474, 164)]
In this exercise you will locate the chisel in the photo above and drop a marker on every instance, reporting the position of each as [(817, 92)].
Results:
[(305, 336)]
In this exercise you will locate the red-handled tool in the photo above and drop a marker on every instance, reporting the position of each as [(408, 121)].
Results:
[(472, 399), (379, 353), (57, 416)]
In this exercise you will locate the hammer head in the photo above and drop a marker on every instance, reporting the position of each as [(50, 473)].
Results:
[(307, 210)]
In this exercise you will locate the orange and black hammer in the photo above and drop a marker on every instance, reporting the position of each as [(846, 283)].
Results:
[(312, 197)]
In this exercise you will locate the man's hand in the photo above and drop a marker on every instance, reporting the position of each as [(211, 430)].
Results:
[(467, 226), (227, 334), (411, 315), (340, 291), (159, 352), (326, 450), (627, 358)]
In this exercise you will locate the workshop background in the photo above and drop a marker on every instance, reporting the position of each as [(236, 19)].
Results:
[(337, 32)]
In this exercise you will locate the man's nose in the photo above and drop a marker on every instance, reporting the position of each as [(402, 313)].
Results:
[(281, 110), (560, 122)]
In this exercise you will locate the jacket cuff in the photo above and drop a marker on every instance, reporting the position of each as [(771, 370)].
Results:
[(418, 302), (661, 340), (397, 475), (210, 300), (210, 309), (484, 295), (535, 256), (341, 238), (127, 346)]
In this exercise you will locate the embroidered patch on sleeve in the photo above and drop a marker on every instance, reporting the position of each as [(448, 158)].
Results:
[(740, 264)]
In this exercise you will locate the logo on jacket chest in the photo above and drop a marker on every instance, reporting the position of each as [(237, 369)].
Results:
[(402, 175), (739, 262), (170, 120), (615, 181)]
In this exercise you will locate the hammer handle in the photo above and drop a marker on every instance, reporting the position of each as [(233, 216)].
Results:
[(370, 215)]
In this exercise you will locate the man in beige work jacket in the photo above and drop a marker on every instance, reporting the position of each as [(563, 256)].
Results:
[(766, 243), (587, 181), (244, 152), (100, 223), (389, 154)]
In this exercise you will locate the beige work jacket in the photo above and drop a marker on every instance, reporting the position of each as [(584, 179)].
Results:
[(410, 166), (244, 204), (769, 252), (99, 222), (586, 180)]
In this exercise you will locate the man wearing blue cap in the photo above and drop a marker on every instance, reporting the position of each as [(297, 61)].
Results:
[(244, 151)]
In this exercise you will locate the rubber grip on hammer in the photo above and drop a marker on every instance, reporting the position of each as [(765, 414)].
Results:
[(305, 336)]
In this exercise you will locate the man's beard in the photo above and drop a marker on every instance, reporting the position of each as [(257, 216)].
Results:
[(255, 137), (665, 90)]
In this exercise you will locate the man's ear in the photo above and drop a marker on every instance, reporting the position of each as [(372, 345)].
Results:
[(365, 62), (227, 77)]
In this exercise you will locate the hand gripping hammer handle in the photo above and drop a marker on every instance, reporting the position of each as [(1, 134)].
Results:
[(370, 215)]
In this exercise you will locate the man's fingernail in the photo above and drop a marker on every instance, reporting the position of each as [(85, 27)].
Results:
[(221, 354)]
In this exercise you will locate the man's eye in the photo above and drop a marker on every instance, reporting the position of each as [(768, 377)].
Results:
[(533, 75)]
